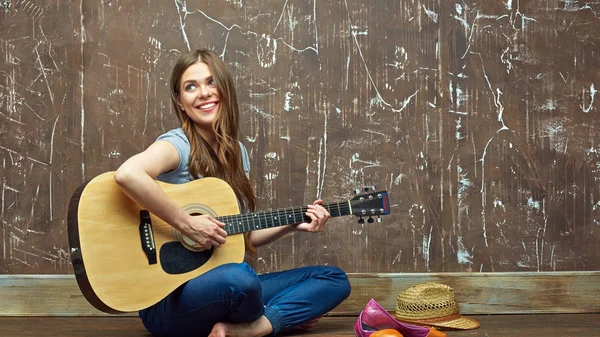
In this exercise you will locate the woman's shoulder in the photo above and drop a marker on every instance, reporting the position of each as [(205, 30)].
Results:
[(176, 133), (245, 158), (178, 139), (243, 148)]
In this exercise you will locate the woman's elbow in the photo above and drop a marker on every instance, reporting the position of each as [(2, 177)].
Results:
[(123, 175)]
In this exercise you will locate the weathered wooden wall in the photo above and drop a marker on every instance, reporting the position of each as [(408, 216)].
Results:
[(479, 118)]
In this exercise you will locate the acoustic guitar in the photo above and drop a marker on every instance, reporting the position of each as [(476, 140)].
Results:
[(126, 259)]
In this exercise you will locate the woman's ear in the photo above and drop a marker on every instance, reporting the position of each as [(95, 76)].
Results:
[(179, 103)]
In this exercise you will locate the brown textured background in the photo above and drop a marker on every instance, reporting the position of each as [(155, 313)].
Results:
[(479, 118)]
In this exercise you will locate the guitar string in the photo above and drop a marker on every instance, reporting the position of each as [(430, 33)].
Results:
[(273, 218), (292, 215)]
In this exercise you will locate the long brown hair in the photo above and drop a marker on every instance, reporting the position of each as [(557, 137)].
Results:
[(227, 163)]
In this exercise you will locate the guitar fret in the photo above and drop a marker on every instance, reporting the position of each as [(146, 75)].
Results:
[(233, 223), (240, 222), (300, 215), (303, 216), (244, 223), (293, 215), (277, 218), (273, 217), (335, 211), (330, 210), (265, 223)]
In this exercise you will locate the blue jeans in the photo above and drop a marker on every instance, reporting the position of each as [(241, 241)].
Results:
[(234, 293)]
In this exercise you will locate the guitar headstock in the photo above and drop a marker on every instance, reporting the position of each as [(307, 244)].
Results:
[(370, 205)]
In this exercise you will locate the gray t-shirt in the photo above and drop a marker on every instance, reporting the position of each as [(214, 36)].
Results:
[(181, 174)]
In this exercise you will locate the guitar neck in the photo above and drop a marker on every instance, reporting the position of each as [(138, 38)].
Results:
[(241, 223)]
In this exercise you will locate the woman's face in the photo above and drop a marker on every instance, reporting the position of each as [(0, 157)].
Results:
[(198, 95)]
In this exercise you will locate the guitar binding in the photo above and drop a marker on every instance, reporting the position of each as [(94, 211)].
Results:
[(76, 256)]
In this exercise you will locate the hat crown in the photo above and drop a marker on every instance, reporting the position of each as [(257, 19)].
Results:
[(426, 301)]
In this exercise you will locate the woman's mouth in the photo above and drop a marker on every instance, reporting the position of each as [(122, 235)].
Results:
[(207, 107)]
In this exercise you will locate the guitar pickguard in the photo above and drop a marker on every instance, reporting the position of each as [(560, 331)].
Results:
[(176, 259)]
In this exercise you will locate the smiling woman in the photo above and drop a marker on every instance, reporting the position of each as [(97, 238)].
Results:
[(198, 79), (231, 299)]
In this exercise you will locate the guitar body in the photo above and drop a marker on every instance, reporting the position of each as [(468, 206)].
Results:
[(126, 259), (104, 231)]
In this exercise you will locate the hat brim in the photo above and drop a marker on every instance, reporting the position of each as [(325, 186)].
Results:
[(460, 323)]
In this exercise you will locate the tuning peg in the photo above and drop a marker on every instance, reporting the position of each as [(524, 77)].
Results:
[(366, 188), (356, 191), (361, 221), (371, 220), (379, 219)]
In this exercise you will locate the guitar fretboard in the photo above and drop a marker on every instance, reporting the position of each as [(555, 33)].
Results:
[(241, 223)]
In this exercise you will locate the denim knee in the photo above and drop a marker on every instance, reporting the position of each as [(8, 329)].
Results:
[(339, 277), (241, 279)]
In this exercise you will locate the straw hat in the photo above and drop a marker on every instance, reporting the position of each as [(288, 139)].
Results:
[(432, 304)]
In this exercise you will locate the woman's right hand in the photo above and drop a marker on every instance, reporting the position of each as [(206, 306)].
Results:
[(206, 231)]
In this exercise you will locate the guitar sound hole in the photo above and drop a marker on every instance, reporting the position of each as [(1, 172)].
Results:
[(186, 241), (177, 259)]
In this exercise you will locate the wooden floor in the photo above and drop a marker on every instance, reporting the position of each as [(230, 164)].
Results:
[(552, 325)]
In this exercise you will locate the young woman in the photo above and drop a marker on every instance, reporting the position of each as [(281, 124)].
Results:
[(229, 300)]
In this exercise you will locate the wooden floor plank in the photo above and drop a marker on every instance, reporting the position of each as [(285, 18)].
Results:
[(547, 325), (477, 293)]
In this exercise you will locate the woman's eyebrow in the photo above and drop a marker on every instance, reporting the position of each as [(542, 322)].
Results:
[(208, 78)]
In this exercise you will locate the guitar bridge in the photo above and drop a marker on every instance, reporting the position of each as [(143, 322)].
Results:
[(147, 236)]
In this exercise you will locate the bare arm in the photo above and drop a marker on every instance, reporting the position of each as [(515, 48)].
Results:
[(136, 177), (263, 237), (316, 212)]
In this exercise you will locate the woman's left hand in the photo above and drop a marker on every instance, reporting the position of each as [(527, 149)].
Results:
[(319, 216)]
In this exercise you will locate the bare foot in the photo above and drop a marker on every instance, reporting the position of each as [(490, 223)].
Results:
[(307, 325), (219, 330), (260, 327)]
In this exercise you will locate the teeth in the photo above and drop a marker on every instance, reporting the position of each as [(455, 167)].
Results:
[(206, 106)]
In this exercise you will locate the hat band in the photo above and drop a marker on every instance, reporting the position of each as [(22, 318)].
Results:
[(433, 320)]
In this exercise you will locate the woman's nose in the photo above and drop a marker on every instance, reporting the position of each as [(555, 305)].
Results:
[(204, 91)]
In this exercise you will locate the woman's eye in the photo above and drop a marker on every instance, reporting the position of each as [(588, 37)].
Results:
[(190, 87), (211, 82)]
